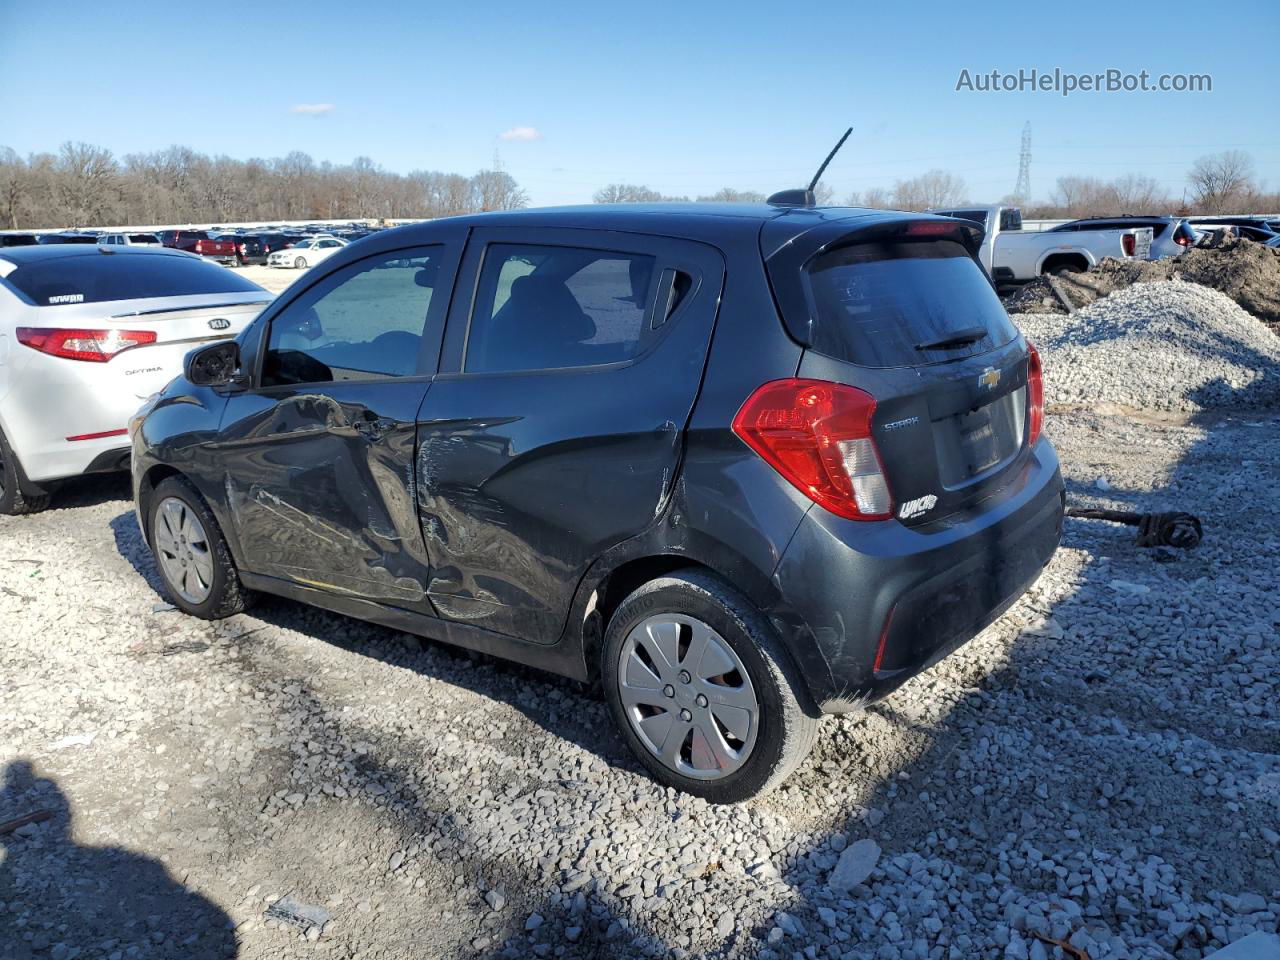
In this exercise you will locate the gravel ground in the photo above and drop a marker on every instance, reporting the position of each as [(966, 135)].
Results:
[(274, 279), (1099, 767), (1158, 346)]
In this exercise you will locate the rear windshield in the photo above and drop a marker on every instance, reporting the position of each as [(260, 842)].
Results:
[(97, 279), (897, 303)]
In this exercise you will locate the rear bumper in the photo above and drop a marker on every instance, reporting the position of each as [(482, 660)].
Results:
[(881, 602)]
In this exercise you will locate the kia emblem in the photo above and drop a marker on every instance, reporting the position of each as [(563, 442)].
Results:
[(219, 323)]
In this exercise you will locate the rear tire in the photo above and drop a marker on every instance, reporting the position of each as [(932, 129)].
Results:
[(687, 636), (13, 502), (175, 507)]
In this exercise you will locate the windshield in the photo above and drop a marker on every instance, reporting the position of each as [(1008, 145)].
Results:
[(100, 278), (898, 303)]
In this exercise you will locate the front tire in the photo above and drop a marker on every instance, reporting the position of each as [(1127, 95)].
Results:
[(702, 689), (13, 502), (300, 263), (191, 553)]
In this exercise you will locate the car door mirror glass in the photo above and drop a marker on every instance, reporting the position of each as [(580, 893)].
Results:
[(214, 366)]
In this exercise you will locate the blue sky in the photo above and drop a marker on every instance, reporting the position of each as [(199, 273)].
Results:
[(685, 98)]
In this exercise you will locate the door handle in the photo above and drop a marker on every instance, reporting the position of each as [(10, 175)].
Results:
[(374, 429)]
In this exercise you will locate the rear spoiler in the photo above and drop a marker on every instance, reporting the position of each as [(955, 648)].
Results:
[(198, 306)]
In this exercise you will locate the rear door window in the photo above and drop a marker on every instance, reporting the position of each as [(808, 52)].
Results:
[(123, 276), (544, 308), (903, 303)]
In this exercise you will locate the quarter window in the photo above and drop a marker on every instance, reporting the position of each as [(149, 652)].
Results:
[(542, 307), (365, 321)]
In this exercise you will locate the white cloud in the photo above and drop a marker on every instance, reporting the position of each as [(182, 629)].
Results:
[(312, 109), (521, 133)]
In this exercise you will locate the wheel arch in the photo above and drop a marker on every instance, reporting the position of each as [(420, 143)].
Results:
[(1073, 258)]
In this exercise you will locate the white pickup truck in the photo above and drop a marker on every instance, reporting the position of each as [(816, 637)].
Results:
[(1013, 255)]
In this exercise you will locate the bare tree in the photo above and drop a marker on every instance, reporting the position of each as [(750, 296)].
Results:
[(1221, 181), (626, 193), (930, 190), (88, 175), (876, 197), (730, 195), (14, 181), (497, 190)]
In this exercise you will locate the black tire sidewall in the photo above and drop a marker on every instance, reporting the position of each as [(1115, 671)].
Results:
[(180, 489), (740, 627)]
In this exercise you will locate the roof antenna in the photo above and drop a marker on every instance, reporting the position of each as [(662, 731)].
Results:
[(805, 197)]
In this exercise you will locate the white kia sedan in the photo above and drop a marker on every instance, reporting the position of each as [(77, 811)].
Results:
[(87, 333), (306, 253)]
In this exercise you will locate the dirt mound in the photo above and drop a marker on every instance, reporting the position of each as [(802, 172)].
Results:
[(1247, 272)]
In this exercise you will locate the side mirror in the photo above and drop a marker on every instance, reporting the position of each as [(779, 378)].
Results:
[(217, 365)]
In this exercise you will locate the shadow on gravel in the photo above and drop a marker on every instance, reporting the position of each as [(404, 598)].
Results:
[(544, 698), (90, 490), (105, 899)]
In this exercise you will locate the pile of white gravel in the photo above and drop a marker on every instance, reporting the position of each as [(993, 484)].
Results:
[(1171, 345)]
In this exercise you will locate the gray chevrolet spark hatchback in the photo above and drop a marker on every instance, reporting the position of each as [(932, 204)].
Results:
[(744, 465)]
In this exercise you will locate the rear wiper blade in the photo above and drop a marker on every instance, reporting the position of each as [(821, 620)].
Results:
[(959, 338)]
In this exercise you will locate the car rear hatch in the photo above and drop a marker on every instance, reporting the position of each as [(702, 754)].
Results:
[(901, 310)]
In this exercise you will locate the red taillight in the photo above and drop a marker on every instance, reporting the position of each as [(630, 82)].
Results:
[(1035, 395), (818, 436), (199, 246), (884, 640), (100, 436), (1128, 243), (96, 346), (1181, 241)]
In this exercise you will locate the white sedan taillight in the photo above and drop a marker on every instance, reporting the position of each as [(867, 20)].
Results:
[(94, 346)]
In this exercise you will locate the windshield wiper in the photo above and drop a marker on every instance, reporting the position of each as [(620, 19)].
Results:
[(959, 338)]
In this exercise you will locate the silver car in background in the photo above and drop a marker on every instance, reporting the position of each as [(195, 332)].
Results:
[(1170, 236)]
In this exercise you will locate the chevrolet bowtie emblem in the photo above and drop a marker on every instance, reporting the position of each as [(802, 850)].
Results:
[(990, 377)]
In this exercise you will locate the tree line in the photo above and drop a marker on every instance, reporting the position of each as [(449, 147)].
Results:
[(83, 185), (1217, 184)]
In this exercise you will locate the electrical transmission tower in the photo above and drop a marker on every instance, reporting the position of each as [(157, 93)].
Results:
[(1023, 189)]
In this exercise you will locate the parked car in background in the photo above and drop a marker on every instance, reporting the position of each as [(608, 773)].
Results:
[(129, 240), (1251, 228), (1170, 236), (744, 465), (272, 242), (306, 253), (86, 334), (248, 248), (17, 239), (1012, 255), (201, 244), (67, 236)]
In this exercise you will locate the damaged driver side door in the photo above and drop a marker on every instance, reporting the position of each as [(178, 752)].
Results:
[(320, 451)]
